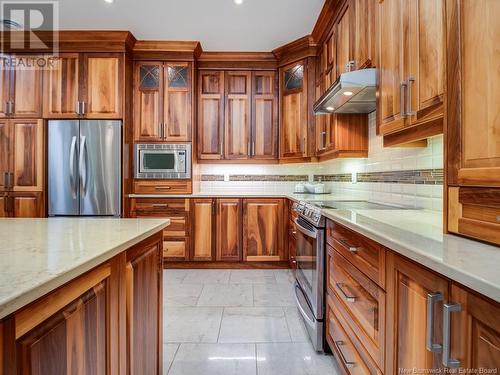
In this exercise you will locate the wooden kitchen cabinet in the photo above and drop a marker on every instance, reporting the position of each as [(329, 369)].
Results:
[(408, 287), (21, 86), (210, 140), (294, 111), (202, 229), (162, 101), (27, 204), (176, 237), (62, 87), (3, 205), (103, 85), (412, 69), (22, 155), (364, 22), (475, 330), (144, 293), (263, 230), (473, 131), (85, 85), (344, 47), (264, 115), (148, 89), (229, 229), (238, 115)]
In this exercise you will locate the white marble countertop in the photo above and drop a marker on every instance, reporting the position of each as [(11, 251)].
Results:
[(39, 255), (414, 233)]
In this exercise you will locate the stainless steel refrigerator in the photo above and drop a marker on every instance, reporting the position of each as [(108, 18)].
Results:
[(84, 176)]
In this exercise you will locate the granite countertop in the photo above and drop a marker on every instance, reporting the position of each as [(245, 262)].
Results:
[(414, 233), (39, 255)]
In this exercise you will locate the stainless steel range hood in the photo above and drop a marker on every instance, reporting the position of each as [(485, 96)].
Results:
[(353, 92)]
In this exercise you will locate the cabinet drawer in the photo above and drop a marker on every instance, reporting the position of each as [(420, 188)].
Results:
[(177, 227), (361, 302), (364, 253), (349, 353), (175, 249), (148, 207), (163, 187)]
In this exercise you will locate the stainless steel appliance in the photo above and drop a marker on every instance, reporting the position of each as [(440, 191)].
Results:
[(310, 274), (84, 167), (162, 161), (352, 92)]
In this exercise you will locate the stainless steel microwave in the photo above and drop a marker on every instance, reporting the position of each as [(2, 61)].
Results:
[(162, 161)]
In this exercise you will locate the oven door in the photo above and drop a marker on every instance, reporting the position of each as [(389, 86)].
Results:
[(310, 264), (159, 161)]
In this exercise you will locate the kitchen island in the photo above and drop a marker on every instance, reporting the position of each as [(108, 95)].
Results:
[(81, 295)]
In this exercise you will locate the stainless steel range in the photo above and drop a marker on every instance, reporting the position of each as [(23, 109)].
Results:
[(310, 274)]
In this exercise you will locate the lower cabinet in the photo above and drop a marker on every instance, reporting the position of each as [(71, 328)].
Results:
[(25, 204), (263, 230), (408, 316), (229, 230), (144, 270), (202, 229), (176, 238), (107, 321)]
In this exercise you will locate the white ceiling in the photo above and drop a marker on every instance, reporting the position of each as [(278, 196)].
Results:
[(220, 25)]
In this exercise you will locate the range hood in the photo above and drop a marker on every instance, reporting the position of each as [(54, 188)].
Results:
[(353, 92)]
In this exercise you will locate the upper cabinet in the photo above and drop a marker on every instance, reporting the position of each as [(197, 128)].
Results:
[(163, 101), (411, 69), (210, 115), (20, 88), (344, 46), (294, 110), (86, 85), (364, 21), (237, 115), (473, 129)]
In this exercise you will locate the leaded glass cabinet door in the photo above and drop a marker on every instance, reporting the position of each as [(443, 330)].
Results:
[(293, 138), (177, 114), (148, 89)]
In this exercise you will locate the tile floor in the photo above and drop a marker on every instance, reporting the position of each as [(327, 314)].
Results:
[(236, 322)]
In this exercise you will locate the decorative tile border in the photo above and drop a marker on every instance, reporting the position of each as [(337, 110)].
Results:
[(421, 177), (341, 177), (212, 177), (270, 177)]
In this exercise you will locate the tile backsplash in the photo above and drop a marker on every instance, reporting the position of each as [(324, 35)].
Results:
[(398, 175)]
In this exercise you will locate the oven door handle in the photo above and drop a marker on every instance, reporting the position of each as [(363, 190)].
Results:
[(300, 307), (305, 231)]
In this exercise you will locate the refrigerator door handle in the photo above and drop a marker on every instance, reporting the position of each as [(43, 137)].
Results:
[(82, 166), (72, 154)]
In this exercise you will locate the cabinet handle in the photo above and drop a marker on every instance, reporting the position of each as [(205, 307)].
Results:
[(448, 308), (10, 107), (323, 141), (84, 105), (77, 108), (303, 145), (221, 149), (253, 148), (159, 205), (347, 297), (7, 108), (249, 149), (163, 187), (347, 363), (352, 249), (408, 96), (432, 298), (402, 87)]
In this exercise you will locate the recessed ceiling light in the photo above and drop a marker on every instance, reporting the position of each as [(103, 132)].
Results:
[(109, 1), (238, 2), (330, 109), (348, 93)]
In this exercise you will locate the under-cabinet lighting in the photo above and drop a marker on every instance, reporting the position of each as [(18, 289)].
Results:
[(330, 109), (348, 93), (109, 1), (238, 2)]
